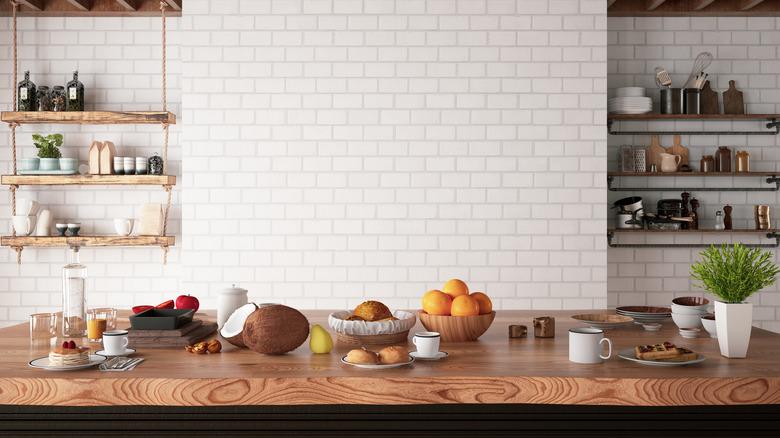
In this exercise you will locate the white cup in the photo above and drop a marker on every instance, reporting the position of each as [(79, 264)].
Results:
[(27, 207), (129, 165), (115, 342), (43, 227), (427, 343), (123, 227), (24, 225), (585, 345)]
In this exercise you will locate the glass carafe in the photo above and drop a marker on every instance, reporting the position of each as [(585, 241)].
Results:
[(74, 297), (25, 94), (75, 94)]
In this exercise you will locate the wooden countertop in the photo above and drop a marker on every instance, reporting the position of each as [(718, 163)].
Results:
[(494, 369)]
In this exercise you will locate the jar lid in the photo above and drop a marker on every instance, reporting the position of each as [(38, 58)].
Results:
[(233, 291)]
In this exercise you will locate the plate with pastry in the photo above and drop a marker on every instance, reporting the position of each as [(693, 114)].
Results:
[(661, 355), (67, 357), (389, 357), (371, 323)]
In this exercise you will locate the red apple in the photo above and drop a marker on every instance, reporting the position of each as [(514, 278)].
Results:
[(139, 309), (165, 305), (187, 302)]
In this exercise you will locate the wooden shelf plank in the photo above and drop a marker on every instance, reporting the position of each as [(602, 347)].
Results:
[(89, 117), (702, 174), (57, 241), (95, 180), (701, 231), (692, 117), (91, 8)]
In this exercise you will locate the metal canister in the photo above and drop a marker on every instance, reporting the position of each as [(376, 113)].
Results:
[(692, 101), (678, 101), (666, 101), (763, 221)]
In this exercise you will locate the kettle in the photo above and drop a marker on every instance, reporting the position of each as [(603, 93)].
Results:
[(629, 220)]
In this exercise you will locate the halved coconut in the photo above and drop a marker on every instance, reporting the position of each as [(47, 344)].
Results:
[(233, 328)]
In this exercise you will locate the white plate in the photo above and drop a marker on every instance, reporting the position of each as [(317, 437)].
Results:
[(128, 352), (377, 367), (439, 355), (43, 363), (628, 354)]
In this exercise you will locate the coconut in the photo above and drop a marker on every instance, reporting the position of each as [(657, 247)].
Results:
[(275, 329), (234, 326)]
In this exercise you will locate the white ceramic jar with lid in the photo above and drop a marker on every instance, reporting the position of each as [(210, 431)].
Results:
[(230, 299)]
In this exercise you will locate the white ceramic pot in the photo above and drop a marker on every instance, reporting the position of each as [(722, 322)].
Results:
[(229, 299), (733, 323), (50, 164)]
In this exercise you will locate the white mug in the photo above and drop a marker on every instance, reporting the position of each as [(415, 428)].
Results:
[(427, 343), (43, 227), (27, 207), (24, 225), (123, 227), (585, 345), (115, 342)]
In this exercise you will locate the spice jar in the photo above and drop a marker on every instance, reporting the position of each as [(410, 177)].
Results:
[(25, 94), (155, 165), (58, 98), (707, 164), (743, 161), (75, 98), (723, 159), (43, 98)]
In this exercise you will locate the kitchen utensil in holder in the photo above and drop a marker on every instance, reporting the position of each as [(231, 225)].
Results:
[(692, 101), (666, 101), (678, 101)]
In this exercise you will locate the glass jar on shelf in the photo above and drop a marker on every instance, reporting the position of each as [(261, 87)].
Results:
[(58, 98), (25, 96), (74, 297), (75, 94), (43, 98), (155, 165)]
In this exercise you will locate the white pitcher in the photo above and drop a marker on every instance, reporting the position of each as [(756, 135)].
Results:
[(669, 162)]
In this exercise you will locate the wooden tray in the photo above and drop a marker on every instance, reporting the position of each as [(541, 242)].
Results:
[(190, 338), (390, 339), (176, 333)]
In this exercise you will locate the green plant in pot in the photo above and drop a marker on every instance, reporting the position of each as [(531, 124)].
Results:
[(734, 272), (48, 150)]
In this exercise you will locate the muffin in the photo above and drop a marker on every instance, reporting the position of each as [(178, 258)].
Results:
[(372, 311), (361, 356)]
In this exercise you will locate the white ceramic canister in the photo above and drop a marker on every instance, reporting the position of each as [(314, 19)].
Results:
[(230, 299)]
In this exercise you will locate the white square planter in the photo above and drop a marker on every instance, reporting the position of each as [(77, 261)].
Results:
[(734, 323)]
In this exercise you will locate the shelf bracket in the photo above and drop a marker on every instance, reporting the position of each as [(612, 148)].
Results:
[(612, 244), (772, 124), (770, 180)]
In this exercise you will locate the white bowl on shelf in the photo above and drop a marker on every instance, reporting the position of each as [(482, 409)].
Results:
[(687, 321)]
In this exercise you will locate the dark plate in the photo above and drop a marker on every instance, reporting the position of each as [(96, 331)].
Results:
[(644, 309), (161, 319)]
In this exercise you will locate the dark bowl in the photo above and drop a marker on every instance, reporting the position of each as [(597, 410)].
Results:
[(161, 319)]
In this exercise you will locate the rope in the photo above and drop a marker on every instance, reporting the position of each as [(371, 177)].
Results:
[(165, 254), (167, 208), (165, 148), (14, 105), (163, 7), (18, 250), (14, 6)]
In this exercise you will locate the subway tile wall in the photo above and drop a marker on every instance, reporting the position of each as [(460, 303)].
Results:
[(119, 63), (745, 50), (338, 150)]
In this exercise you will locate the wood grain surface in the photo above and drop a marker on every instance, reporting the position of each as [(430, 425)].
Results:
[(493, 369), (55, 241), (89, 117), (97, 8), (65, 180)]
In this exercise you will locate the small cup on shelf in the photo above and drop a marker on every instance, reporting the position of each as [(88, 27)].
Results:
[(140, 166), (129, 165), (119, 166), (74, 228), (61, 228)]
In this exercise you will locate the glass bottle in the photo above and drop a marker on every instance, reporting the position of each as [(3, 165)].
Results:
[(58, 98), (25, 94), (742, 161), (723, 159), (43, 98), (75, 97), (155, 165), (719, 225), (74, 297)]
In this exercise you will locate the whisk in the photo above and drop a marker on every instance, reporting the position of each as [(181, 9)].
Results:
[(703, 60)]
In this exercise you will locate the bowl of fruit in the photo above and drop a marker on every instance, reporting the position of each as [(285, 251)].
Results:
[(457, 315)]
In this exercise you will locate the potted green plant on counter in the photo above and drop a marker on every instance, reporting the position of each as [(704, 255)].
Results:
[(734, 272), (48, 150)]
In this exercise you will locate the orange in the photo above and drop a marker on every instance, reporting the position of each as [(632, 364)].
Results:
[(485, 305), (465, 305), (436, 302), (455, 288)]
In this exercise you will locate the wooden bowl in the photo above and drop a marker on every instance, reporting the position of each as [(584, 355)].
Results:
[(457, 328)]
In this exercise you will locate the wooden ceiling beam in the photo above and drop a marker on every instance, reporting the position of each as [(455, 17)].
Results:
[(82, 5), (698, 5), (652, 5), (174, 4), (36, 5), (89, 8), (745, 5), (130, 5)]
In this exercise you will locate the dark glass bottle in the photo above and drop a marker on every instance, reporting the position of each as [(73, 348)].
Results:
[(43, 98), (25, 94), (58, 98), (723, 159), (155, 165), (75, 94)]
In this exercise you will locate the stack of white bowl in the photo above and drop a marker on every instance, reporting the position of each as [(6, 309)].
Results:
[(630, 100), (687, 311)]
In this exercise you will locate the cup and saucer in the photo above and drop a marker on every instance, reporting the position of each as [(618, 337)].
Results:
[(427, 344), (115, 344)]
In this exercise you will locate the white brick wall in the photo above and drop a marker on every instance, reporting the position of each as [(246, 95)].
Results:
[(118, 62), (338, 150), (745, 50)]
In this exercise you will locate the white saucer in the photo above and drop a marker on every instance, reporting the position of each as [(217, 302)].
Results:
[(439, 355), (43, 363), (128, 352)]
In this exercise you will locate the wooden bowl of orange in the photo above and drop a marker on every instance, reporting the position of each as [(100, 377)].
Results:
[(457, 315)]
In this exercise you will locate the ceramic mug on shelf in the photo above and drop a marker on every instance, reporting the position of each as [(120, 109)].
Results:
[(427, 343), (669, 162), (27, 207), (115, 342), (24, 225), (585, 345), (123, 227)]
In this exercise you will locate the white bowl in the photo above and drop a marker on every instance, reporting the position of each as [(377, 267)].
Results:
[(690, 310), (686, 321), (690, 333), (709, 326), (630, 92)]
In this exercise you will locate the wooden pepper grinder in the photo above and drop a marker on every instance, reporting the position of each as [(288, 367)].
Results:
[(685, 211), (694, 214), (544, 327), (727, 219)]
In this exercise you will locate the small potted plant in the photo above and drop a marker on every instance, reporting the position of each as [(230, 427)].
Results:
[(48, 150), (733, 273)]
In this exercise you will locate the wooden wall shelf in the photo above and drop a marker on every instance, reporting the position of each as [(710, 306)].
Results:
[(701, 231), (769, 234), (67, 180), (79, 241), (773, 123), (693, 8), (700, 174), (693, 117), (89, 117), (92, 8)]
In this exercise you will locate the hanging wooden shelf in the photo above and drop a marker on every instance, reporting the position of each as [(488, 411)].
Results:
[(79, 241), (95, 180), (92, 8), (89, 117)]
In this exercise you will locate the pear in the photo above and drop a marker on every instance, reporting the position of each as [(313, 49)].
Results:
[(320, 341)]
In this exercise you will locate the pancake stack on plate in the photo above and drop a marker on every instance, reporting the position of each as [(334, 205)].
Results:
[(630, 100)]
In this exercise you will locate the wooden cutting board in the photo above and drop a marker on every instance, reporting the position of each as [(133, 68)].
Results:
[(678, 149), (177, 333), (190, 338), (654, 152), (709, 100), (732, 100)]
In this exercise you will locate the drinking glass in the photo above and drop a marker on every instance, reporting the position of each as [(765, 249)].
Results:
[(43, 325), (109, 313), (99, 321)]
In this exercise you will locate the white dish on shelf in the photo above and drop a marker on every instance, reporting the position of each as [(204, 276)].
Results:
[(630, 92)]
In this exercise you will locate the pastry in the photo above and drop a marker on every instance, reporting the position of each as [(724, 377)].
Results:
[(666, 350), (361, 356), (684, 356), (69, 354), (393, 354), (372, 311)]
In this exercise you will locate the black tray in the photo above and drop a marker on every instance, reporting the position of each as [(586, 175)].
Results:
[(161, 319)]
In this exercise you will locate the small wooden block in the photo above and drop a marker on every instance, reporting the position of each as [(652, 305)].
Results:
[(544, 327), (709, 100), (518, 331), (732, 100)]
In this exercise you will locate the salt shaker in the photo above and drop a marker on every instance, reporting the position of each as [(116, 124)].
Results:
[(719, 225)]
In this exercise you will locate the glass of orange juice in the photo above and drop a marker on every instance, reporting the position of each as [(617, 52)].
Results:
[(98, 321)]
